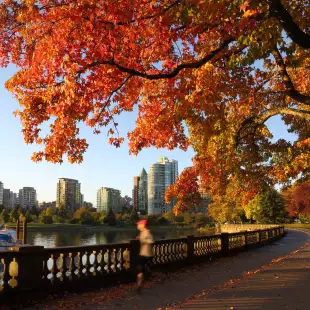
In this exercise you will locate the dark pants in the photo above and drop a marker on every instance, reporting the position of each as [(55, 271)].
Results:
[(144, 265)]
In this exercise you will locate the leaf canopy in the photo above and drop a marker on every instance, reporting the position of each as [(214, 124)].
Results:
[(220, 68)]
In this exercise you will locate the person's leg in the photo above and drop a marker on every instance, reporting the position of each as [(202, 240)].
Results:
[(148, 270), (139, 281), (141, 268)]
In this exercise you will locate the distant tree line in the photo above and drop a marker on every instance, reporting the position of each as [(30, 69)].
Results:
[(269, 206)]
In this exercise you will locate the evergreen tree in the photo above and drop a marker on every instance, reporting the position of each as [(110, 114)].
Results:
[(34, 211), (4, 216), (134, 215), (110, 218)]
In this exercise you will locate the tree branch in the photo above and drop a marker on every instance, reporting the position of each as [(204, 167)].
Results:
[(254, 122), (111, 95), (289, 111), (278, 11), (290, 89), (190, 65)]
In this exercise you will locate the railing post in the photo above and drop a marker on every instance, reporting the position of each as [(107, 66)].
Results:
[(134, 255), (259, 237), (29, 267), (190, 249), (225, 244)]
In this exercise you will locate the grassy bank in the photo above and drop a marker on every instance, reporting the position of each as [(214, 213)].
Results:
[(206, 230), (296, 225)]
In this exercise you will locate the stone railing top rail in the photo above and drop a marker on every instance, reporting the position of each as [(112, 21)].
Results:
[(230, 228)]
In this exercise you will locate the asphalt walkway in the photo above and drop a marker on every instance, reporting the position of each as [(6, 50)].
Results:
[(273, 277), (282, 284)]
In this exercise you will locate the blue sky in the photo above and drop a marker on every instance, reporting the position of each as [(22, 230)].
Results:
[(103, 164)]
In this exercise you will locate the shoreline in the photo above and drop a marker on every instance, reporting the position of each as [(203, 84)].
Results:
[(74, 227)]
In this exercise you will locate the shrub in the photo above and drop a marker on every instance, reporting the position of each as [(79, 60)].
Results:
[(46, 219), (162, 221)]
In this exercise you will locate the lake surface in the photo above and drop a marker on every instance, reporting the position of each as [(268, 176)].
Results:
[(77, 238)]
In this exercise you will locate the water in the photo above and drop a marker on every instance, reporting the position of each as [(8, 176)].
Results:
[(52, 239)]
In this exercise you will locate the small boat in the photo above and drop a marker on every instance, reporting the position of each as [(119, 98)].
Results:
[(7, 239)]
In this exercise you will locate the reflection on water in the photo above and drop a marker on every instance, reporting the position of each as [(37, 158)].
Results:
[(76, 238)]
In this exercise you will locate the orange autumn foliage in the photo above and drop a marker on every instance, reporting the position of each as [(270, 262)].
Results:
[(205, 74), (298, 199)]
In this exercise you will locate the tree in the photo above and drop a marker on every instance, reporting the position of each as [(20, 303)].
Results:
[(84, 216), (179, 218), (14, 215), (4, 216), (134, 215), (189, 218), (21, 211), (63, 212), (110, 218), (162, 221), (193, 67), (49, 211), (169, 216), (125, 217), (203, 220), (266, 207), (226, 206), (46, 219), (34, 211), (185, 191), (126, 203), (28, 217), (298, 200)]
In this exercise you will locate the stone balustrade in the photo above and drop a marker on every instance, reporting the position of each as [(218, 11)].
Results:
[(32, 268)]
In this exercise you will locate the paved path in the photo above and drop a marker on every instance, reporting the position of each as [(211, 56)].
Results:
[(236, 282), (284, 284)]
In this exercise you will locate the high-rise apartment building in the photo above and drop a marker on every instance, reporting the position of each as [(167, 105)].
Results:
[(14, 199), (27, 197), (1, 193), (44, 205), (162, 174), (135, 192), (156, 188), (108, 197), (68, 194), (87, 204), (7, 198), (142, 195), (171, 175)]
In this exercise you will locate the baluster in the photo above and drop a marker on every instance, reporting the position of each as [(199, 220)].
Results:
[(76, 271)]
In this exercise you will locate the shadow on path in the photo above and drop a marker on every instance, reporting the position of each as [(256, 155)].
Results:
[(282, 285)]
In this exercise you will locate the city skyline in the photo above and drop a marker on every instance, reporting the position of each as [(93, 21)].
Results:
[(103, 165)]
